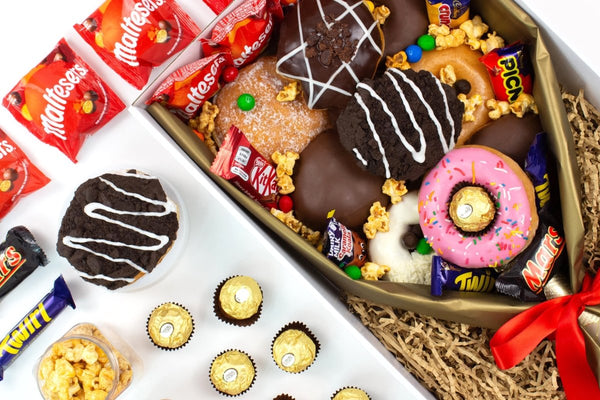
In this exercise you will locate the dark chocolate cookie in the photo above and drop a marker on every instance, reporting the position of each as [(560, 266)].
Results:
[(401, 124), (118, 227)]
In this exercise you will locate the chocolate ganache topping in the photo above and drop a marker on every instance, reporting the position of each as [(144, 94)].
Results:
[(329, 46)]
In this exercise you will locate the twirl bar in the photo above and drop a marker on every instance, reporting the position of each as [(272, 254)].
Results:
[(27, 329)]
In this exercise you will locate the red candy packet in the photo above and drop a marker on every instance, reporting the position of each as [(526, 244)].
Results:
[(185, 90), (245, 31), (18, 176), (62, 100), (239, 162), (133, 37)]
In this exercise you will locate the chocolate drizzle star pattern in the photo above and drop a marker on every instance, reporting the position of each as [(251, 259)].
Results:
[(117, 226), (399, 125), (329, 75)]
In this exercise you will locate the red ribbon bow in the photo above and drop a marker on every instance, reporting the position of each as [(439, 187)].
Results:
[(555, 319)]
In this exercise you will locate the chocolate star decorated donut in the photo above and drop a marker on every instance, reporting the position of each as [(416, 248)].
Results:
[(329, 46)]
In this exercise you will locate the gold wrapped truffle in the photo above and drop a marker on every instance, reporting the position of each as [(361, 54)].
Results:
[(232, 372), (170, 326), (238, 300), (471, 209)]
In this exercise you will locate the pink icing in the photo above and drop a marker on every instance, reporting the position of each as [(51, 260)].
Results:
[(511, 229)]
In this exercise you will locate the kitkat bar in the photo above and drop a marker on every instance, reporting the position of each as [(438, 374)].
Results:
[(133, 37), (237, 161), (62, 100)]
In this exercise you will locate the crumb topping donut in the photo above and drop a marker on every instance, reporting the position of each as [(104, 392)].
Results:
[(467, 67), (272, 125), (400, 124), (388, 248), (329, 46), (460, 182)]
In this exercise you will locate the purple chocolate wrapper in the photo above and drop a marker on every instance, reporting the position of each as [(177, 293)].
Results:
[(536, 167), (445, 275), (34, 321), (343, 246)]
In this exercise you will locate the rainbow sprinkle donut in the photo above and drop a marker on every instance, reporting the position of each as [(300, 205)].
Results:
[(477, 208)]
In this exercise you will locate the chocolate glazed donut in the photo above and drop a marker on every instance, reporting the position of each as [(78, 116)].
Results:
[(329, 46)]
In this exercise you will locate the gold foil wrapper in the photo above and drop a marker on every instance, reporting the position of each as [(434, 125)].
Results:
[(170, 326), (240, 297), (472, 209), (232, 372)]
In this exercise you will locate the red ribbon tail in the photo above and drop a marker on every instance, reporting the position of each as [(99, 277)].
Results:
[(520, 335)]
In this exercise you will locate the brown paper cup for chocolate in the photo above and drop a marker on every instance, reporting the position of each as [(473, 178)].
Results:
[(486, 310)]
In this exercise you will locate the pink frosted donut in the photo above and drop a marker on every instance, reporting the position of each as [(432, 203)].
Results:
[(510, 193)]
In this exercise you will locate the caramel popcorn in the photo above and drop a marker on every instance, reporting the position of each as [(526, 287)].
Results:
[(471, 103), (474, 30), (76, 368), (398, 60), (497, 108), (448, 75), (289, 92), (524, 103), (395, 189), (313, 237), (454, 39), (288, 219), (492, 42), (378, 221), (372, 271), (285, 184), (205, 124), (380, 14), (438, 30), (284, 170)]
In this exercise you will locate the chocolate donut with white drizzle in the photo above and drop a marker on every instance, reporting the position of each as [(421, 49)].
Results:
[(118, 227), (329, 46), (401, 124)]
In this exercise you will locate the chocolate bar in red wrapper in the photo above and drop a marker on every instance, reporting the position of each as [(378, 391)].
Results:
[(240, 163), (185, 90), (62, 100), (18, 175), (133, 37), (245, 31), (510, 71)]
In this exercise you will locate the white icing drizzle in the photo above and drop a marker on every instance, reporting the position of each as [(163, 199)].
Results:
[(359, 156), (445, 146), (91, 209), (448, 113), (313, 97), (418, 156), (384, 160)]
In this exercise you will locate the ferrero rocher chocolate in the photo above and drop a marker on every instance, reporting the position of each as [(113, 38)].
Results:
[(170, 326), (351, 393), (240, 297), (232, 372), (472, 209), (293, 350)]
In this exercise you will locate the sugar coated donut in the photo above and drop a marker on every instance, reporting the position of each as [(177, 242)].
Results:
[(386, 248), (271, 125), (467, 67), (459, 184)]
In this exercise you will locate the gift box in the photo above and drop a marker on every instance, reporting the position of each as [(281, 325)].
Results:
[(485, 310)]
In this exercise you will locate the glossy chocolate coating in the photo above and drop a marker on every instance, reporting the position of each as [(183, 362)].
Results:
[(317, 78), (328, 177), (407, 21), (509, 135)]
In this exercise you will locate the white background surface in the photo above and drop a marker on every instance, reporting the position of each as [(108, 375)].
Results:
[(220, 242)]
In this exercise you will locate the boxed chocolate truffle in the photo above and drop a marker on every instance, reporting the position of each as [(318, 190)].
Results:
[(489, 310)]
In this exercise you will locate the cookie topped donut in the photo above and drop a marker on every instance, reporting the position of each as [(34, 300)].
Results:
[(477, 208), (329, 46), (400, 124)]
